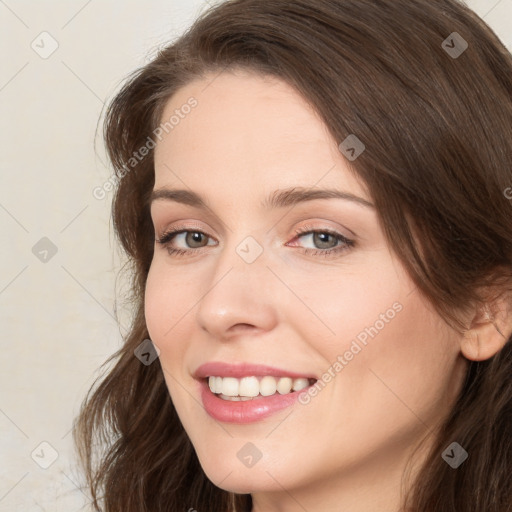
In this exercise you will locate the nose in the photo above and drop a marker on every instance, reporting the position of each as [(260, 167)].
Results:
[(239, 298)]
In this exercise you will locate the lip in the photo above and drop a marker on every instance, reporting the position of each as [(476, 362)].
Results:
[(239, 370), (247, 411)]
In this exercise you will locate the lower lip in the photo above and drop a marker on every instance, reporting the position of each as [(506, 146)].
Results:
[(245, 411)]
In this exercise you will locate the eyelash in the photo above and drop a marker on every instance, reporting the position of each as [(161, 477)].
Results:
[(169, 235)]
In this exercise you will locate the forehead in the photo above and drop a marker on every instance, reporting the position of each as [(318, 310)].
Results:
[(246, 130)]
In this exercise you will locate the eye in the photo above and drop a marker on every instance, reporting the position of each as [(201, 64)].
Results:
[(191, 237), (322, 240)]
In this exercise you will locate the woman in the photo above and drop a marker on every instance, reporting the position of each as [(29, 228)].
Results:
[(313, 199)]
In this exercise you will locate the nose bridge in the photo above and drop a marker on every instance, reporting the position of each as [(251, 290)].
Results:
[(240, 290)]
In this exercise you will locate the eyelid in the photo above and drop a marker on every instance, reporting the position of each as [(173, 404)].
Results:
[(306, 229), (184, 227), (324, 224), (303, 228), (174, 232)]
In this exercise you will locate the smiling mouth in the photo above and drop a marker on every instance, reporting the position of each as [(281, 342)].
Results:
[(255, 387)]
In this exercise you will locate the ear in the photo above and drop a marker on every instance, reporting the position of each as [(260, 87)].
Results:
[(489, 331)]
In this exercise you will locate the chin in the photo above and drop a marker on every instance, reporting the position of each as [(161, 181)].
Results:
[(264, 476), (246, 483)]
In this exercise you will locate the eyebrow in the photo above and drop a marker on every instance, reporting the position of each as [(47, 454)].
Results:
[(278, 199)]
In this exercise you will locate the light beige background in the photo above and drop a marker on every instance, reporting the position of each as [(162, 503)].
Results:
[(57, 315)]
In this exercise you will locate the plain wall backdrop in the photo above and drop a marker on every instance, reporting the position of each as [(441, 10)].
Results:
[(60, 62)]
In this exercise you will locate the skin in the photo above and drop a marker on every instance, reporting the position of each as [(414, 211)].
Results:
[(347, 448)]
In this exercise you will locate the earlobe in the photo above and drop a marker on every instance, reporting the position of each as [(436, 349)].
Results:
[(481, 343), (484, 338)]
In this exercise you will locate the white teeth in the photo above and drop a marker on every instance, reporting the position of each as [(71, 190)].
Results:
[(284, 385), (230, 386), (268, 386), (299, 384), (215, 384), (246, 388), (235, 398), (249, 386)]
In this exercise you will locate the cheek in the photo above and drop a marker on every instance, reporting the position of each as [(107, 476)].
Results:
[(165, 306), (405, 369), (155, 305), (394, 347), (163, 310), (349, 306)]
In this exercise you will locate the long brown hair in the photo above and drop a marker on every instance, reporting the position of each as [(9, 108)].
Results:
[(435, 117)]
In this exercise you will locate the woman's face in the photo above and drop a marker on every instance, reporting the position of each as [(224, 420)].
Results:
[(252, 295)]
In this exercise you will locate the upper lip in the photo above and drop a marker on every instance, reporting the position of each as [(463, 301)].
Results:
[(239, 370)]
